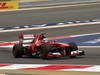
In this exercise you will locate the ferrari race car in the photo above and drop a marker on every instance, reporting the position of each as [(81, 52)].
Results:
[(39, 47)]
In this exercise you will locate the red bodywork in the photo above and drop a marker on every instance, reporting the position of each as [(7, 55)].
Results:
[(38, 41)]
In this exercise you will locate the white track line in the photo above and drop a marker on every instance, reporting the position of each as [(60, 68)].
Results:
[(47, 27)]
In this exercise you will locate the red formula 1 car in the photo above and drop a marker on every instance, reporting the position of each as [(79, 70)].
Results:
[(39, 47)]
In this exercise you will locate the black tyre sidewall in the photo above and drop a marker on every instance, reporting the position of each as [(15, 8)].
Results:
[(17, 50), (44, 51), (73, 46)]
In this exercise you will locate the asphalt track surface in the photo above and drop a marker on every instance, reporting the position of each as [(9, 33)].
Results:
[(49, 16)]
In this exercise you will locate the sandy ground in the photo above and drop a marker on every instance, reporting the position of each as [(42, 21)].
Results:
[(47, 72)]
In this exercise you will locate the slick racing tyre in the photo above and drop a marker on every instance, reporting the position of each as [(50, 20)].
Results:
[(73, 46), (18, 51), (44, 51)]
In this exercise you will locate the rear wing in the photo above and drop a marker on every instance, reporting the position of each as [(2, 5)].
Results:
[(25, 39)]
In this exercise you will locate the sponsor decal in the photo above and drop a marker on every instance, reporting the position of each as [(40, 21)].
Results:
[(9, 5)]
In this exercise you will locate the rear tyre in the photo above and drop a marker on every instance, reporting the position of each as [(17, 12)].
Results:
[(27, 52), (18, 51)]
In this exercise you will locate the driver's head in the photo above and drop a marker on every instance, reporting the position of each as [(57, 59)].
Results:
[(43, 33)]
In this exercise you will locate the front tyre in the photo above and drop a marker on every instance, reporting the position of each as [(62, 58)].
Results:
[(73, 46), (72, 50), (44, 51), (18, 50)]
